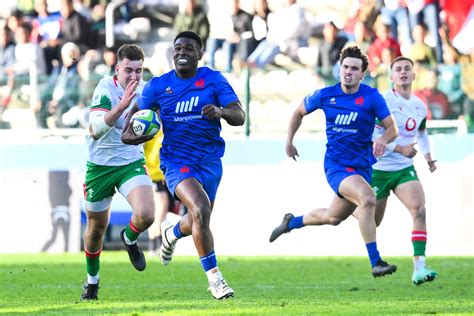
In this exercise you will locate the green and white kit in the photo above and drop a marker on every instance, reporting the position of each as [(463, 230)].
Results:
[(111, 164)]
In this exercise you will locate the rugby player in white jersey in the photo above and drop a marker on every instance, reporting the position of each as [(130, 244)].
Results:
[(113, 165), (394, 171)]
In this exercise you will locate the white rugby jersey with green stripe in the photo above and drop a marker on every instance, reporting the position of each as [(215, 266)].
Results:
[(410, 116), (110, 150)]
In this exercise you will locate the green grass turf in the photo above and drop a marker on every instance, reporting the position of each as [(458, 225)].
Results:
[(52, 284)]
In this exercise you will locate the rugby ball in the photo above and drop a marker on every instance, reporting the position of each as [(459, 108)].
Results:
[(145, 122)]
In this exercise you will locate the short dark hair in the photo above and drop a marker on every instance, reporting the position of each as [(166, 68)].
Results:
[(130, 51), (401, 58), (355, 52), (191, 35)]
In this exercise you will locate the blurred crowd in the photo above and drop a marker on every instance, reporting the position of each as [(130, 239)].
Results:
[(62, 45)]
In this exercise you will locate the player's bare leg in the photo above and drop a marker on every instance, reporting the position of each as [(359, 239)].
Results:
[(411, 194), (337, 212), (97, 223), (143, 204), (196, 222), (357, 191)]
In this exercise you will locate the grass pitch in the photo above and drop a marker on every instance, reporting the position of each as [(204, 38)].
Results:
[(52, 284)]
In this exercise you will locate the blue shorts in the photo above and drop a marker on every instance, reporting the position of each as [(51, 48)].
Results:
[(209, 174), (336, 173)]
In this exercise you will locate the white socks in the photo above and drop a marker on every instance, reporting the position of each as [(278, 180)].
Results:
[(214, 276), (419, 262), (93, 279), (170, 235)]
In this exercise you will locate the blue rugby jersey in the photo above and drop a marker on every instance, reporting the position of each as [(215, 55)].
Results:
[(350, 121), (189, 137)]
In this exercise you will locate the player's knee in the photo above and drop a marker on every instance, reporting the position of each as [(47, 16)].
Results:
[(368, 202), (146, 217), (96, 229), (334, 221), (419, 212), (201, 215)]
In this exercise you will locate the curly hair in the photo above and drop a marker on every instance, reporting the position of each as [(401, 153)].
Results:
[(355, 52)]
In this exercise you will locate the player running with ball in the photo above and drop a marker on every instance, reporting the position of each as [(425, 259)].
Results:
[(112, 165), (192, 102)]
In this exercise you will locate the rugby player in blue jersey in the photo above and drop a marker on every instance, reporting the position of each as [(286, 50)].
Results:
[(351, 109), (191, 102)]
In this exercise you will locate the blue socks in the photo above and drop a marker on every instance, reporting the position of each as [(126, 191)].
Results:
[(177, 231), (374, 255), (209, 261), (296, 222)]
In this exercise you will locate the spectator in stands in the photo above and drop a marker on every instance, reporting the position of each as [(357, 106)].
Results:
[(419, 51), (83, 9), (467, 84), (243, 32), (7, 53), (109, 61), (27, 54), (29, 59), (329, 49), (383, 40), (192, 17), (382, 79), (287, 32), (97, 24), (449, 80), (363, 38), (46, 30), (14, 20), (427, 11), (365, 11), (7, 59), (436, 101), (395, 14), (260, 20), (221, 34), (75, 27), (61, 92)]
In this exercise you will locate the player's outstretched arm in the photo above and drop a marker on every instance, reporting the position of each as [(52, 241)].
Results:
[(233, 113), (294, 125)]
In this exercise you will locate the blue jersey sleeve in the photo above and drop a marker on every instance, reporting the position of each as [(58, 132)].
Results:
[(225, 92), (312, 101), (381, 107), (147, 98)]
